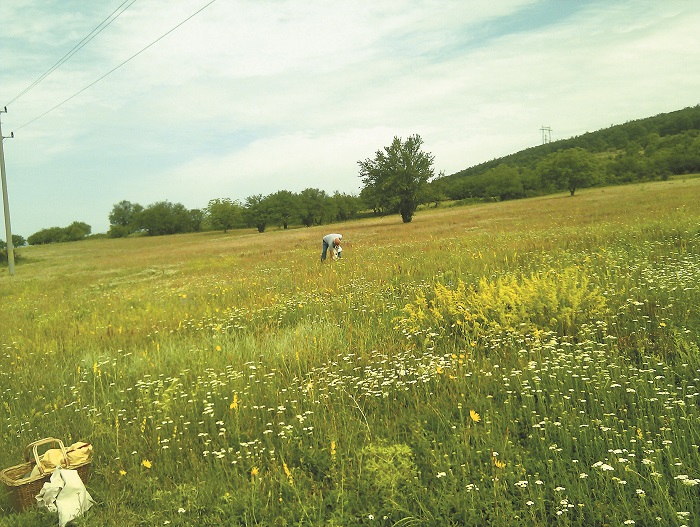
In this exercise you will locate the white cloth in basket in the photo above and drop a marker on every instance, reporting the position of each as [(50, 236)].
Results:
[(66, 494)]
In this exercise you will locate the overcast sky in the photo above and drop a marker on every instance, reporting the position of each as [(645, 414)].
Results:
[(254, 96)]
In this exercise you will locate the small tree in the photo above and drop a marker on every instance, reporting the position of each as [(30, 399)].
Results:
[(196, 219), (17, 241), (315, 207), (124, 219), (224, 214), (284, 208), (371, 199), (77, 230), (257, 212), (570, 169), (504, 182), (397, 176), (164, 217), (345, 206)]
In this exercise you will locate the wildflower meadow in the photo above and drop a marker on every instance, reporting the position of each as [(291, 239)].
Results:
[(533, 362)]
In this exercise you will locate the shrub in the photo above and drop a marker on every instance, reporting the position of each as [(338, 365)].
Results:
[(549, 301)]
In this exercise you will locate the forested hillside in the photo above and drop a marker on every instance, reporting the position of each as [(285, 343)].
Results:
[(646, 149)]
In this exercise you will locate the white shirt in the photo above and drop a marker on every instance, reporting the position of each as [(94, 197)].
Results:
[(330, 238)]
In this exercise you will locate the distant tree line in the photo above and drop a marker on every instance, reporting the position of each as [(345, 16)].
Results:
[(281, 209), (157, 219), (77, 230)]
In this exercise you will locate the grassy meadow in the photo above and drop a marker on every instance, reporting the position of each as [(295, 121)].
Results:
[(532, 362)]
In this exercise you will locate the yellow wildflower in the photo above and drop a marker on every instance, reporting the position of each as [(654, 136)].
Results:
[(288, 473), (254, 471), (475, 416), (146, 463)]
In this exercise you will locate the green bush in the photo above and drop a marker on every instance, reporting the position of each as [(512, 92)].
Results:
[(558, 301)]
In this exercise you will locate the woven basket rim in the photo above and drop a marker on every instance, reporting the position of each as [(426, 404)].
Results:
[(24, 468)]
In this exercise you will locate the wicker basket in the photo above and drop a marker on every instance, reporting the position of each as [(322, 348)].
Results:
[(23, 488)]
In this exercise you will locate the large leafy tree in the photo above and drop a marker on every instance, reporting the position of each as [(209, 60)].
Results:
[(397, 176)]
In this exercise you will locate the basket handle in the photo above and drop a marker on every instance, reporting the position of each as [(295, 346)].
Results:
[(32, 448)]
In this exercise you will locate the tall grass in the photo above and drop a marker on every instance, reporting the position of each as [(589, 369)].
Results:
[(524, 363)]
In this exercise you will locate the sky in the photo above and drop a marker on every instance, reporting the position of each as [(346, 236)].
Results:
[(195, 100)]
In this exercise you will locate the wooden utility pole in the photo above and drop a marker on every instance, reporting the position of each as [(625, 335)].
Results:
[(6, 204)]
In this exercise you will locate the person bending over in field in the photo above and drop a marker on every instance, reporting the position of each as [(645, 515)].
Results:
[(332, 241)]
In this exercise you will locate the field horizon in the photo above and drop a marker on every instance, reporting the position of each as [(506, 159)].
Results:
[(613, 204)]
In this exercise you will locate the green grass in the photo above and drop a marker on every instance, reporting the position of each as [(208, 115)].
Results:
[(520, 363)]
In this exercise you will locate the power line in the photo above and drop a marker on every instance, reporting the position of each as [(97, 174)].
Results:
[(546, 134), (100, 27), (117, 67)]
